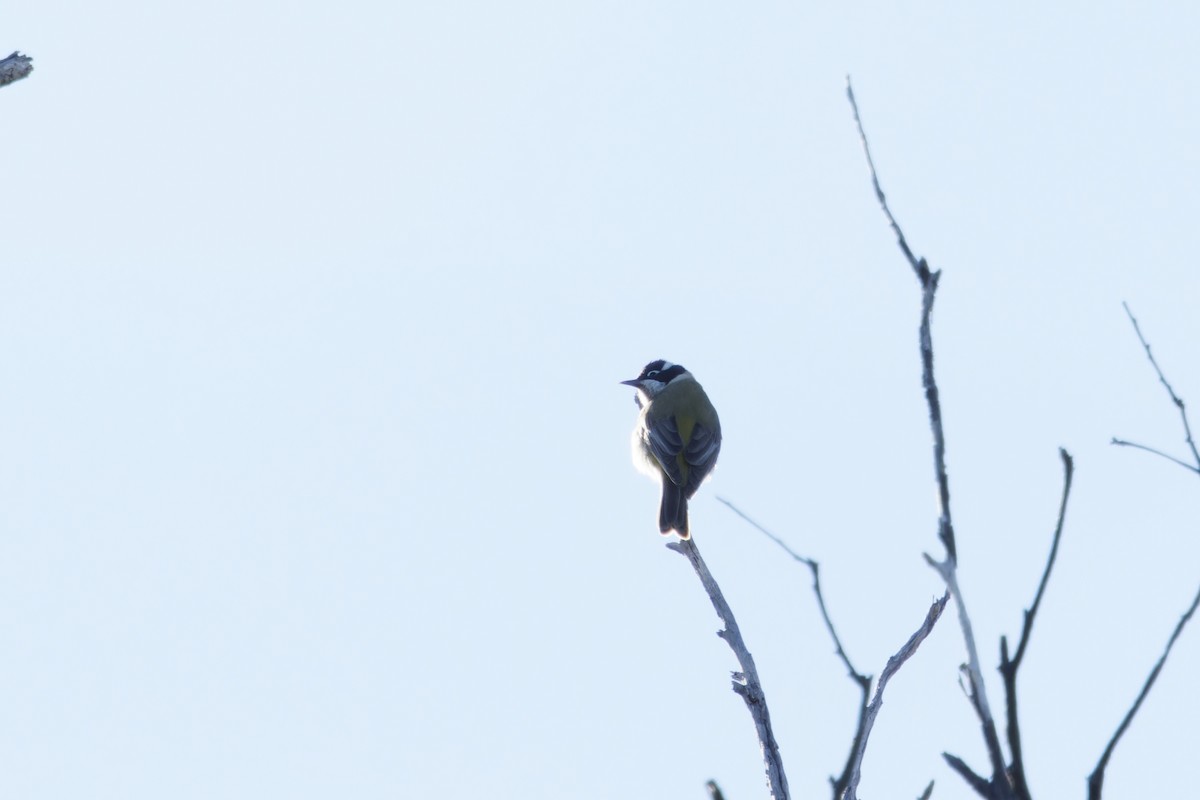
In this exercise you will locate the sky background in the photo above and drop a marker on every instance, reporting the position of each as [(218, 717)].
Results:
[(315, 477)]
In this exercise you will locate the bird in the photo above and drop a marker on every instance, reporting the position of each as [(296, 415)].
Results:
[(676, 439)]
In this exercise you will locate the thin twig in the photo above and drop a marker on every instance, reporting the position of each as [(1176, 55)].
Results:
[(1096, 779), (745, 683), (1009, 667), (879, 195), (947, 568), (714, 791), (863, 681), (893, 666), (1124, 443), (925, 795), (929, 283), (815, 568), (1176, 399)]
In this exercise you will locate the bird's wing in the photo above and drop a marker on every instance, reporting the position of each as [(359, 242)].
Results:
[(662, 435), (701, 456)]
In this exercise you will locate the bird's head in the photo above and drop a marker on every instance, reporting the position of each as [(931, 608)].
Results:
[(654, 378)]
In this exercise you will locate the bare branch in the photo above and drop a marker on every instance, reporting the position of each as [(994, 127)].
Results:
[(893, 666), (925, 795), (1009, 667), (15, 67), (714, 791), (745, 683), (929, 282), (1187, 428), (1096, 779), (863, 681), (948, 568)]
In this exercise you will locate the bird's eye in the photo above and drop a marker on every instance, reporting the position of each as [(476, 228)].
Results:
[(651, 373)]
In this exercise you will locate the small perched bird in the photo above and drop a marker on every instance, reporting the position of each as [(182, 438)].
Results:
[(677, 438)]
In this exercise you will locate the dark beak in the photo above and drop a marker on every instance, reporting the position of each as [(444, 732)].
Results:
[(635, 383)]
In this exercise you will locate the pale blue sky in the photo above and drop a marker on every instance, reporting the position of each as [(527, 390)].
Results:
[(316, 477)]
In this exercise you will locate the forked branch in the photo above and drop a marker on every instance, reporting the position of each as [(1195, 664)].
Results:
[(843, 785), (1096, 779), (1175, 399)]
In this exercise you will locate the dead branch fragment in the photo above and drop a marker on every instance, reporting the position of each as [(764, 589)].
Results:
[(14, 68)]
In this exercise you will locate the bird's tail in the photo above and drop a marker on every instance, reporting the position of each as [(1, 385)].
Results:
[(673, 513)]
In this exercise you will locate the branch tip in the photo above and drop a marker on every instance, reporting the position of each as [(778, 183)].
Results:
[(1176, 400), (906, 651)]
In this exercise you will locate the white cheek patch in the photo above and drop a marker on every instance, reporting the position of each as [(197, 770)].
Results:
[(652, 387)]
